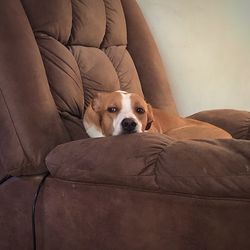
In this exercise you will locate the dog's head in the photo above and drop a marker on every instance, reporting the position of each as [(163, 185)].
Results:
[(117, 113)]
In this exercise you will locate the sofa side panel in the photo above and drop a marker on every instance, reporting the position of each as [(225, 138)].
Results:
[(25, 95), (109, 217), (16, 195)]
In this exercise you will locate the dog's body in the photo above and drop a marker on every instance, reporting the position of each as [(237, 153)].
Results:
[(120, 112), (185, 128)]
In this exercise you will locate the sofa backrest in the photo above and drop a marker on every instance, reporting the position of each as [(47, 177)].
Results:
[(54, 56)]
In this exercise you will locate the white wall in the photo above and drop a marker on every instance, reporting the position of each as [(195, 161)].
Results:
[(205, 46)]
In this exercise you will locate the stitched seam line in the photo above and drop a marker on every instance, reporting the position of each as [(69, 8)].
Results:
[(55, 55), (59, 97), (248, 133), (157, 160), (118, 65), (13, 124), (106, 26), (159, 154), (116, 68), (155, 164), (87, 77), (161, 192), (72, 23), (59, 67), (51, 38), (56, 64)]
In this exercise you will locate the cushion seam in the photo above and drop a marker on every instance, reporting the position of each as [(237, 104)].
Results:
[(53, 90), (55, 55), (59, 67), (161, 192), (122, 58), (17, 135), (248, 132)]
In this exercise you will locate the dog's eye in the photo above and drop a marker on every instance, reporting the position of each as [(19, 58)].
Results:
[(112, 109), (140, 110)]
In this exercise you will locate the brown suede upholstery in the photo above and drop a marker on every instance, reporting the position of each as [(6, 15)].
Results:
[(157, 164), (143, 191), (31, 126), (233, 121)]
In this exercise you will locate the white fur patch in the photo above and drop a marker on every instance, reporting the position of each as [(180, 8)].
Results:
[(92, 130), (125, 112)]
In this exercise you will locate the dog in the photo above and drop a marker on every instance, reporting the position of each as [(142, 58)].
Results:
[(120, 112)]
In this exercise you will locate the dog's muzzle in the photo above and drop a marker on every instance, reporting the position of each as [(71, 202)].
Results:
[(128, 126)]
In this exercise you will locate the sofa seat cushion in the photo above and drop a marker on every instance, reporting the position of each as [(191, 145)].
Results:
[(218, 168)]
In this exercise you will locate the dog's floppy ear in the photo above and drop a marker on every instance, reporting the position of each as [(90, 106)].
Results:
[(92, 118), (96, 102), (150, 117)]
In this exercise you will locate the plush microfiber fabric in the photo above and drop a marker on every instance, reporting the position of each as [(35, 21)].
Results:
[(157, 163), (126, 160), (61, 54), (53, 18), (30, 123), (17, 196), (189, 193), (143, 191), (87, 29), (76, 215), (236, 122)]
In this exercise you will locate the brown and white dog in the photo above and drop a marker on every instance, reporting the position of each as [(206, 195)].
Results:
[(120, 112)]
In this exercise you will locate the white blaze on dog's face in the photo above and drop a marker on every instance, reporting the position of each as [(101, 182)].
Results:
[(117, 113)]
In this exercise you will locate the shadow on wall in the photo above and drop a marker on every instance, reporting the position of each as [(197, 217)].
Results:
[(205, 46)]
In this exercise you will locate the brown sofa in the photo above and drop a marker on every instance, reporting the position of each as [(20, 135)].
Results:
[(135, 192)]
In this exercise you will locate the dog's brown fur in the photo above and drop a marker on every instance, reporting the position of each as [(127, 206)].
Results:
[(184, 128), (153, 120)]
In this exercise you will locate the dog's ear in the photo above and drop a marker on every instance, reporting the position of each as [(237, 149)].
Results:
[(150, 117), (92, 118), (96, 102)]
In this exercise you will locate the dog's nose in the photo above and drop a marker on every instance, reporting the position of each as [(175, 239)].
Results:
[(128, 125)]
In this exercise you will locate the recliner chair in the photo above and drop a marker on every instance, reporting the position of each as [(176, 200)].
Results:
[(141, 191)]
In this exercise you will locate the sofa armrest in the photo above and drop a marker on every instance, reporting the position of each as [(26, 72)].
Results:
[(218, 168), (121, 160), (236, 122)]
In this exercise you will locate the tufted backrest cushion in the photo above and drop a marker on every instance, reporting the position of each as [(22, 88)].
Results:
[(77, 48), (83, 47)]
